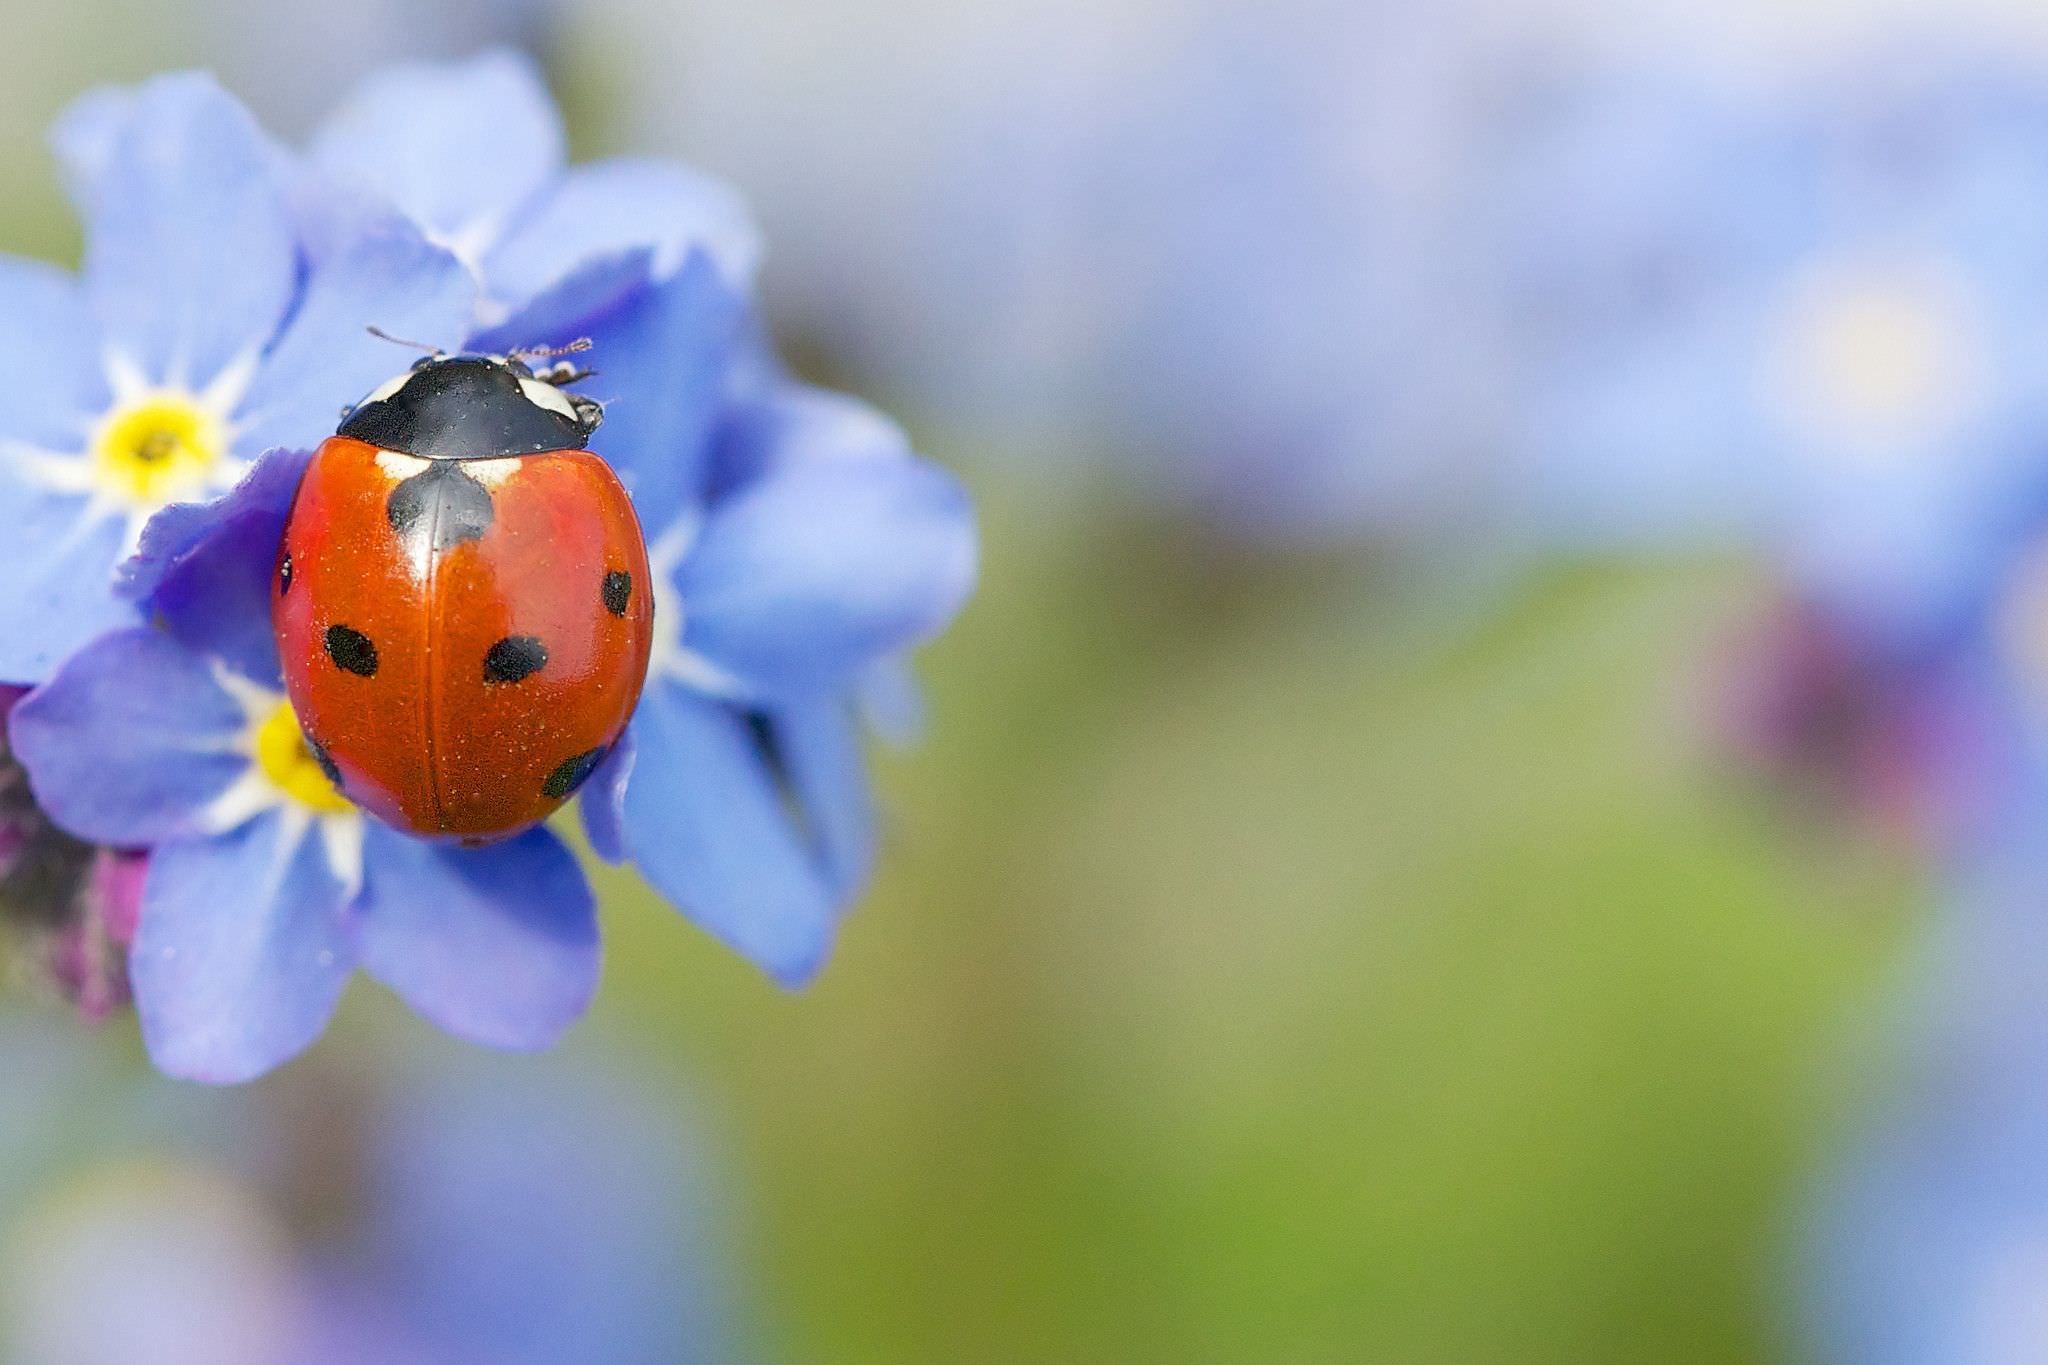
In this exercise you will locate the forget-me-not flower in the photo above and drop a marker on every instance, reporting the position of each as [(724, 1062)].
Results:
[(204, 328), (266, 888), (797, 543), (800, 550), (1810, 324)]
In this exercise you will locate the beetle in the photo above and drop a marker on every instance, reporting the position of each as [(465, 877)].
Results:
[(461, 599)]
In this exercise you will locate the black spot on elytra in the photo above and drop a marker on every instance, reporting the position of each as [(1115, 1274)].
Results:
[(514, 658), (571, 774), (325, 760), (284, 574), (618, 591), (439, 508), (352, 651)]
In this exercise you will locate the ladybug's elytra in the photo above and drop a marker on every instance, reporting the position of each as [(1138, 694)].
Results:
[(462, 600)]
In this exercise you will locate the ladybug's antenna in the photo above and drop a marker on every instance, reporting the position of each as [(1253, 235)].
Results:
[(558, 375), (576, 347), (382, 335)]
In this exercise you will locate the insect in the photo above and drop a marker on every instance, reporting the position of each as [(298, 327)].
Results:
[(461, 599)]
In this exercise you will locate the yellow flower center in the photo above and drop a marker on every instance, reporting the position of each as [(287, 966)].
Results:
[(159, 447), (288, 760)]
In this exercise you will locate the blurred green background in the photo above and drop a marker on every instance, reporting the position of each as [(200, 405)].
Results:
[(1246, 984), (1261, 969)]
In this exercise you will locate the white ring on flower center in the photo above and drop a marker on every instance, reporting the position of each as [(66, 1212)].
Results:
[(253, 792), (83, 473), (671, 658)]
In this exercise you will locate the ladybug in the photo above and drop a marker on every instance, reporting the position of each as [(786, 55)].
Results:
[(461, 599)]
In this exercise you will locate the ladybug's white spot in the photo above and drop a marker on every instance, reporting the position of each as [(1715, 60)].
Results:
[(492, 473), (400, 466), (387, 388), (545, 395)]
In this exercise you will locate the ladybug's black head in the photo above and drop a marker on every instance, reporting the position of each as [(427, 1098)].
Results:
[(473, 407)]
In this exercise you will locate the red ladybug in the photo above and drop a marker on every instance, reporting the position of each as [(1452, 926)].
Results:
[(462, 601)]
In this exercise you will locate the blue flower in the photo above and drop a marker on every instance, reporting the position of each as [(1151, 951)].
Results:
[(1929, 1238), (799, 547), (510, 1213), (1815, 326), (800, 550), (204, 329), (266, 889)]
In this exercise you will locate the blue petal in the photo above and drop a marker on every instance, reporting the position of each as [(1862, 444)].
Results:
[(458, 147), (807, 577), (190, 260), (496, 945), (57, 562), (891, 702), (708, 827), (662, 356), (602, 803), (568, 309), (46, 331), (792, 425), (610, 206), (131, 740), (242, 952), (385, 276), (85, 135), (818, 743), (182, 528), (205, 569)]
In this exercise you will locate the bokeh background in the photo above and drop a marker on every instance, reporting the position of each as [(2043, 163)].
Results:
[(1429, 844)]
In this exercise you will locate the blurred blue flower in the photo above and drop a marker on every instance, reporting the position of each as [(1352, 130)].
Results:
[(1929, 1241), (202, 331), (509, 1213), (1814, 324), (1209, 254), (266, 889)]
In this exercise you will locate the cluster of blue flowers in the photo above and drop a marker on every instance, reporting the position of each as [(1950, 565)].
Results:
[(217, 327)]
